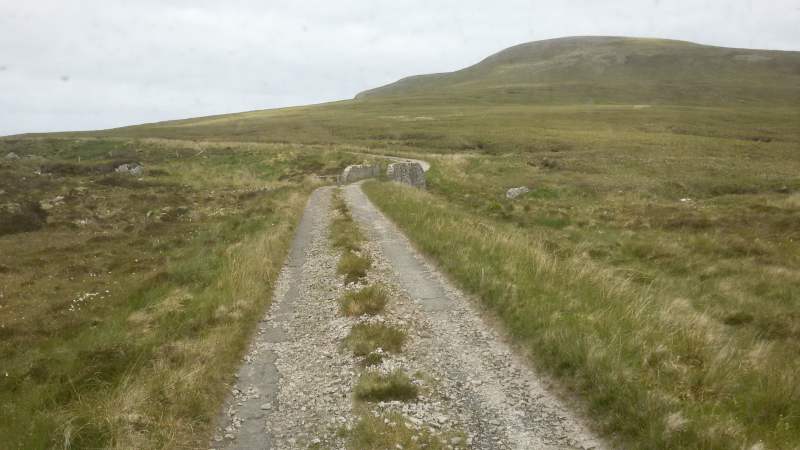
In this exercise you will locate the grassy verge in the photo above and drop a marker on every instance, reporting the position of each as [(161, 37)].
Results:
[(655, 370), (124, 313)]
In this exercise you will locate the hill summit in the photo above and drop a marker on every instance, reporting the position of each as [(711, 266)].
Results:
[(615, 70)]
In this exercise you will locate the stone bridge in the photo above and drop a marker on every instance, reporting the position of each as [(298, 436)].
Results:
[(358, 172), (411, 172)]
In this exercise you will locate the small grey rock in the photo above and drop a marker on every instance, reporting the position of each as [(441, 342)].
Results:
[(133, 169), (12, 156)]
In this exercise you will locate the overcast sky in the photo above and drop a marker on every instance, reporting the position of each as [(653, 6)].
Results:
[(75, 65)]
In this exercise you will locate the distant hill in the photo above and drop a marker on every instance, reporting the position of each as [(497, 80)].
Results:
[(694, 89), (615, 70)]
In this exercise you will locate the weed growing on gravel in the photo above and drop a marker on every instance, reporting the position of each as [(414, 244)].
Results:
[(365, 338), (354, 267), (345, 234), (372, 359), (369, 300), (391, 432), (376, 387)]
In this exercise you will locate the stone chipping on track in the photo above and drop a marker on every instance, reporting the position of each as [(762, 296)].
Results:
[(295, 387)]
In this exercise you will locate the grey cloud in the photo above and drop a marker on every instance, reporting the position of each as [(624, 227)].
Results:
[(143, 61)]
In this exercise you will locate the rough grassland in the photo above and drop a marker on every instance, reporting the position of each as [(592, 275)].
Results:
[(654, 267), (124, 315), (657, 368)]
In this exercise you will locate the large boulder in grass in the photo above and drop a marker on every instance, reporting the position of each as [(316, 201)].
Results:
[(12, 156), (410, 173), (358, 172), (516, 192)]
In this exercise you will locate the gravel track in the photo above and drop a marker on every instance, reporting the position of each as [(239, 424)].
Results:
[(295, 386)]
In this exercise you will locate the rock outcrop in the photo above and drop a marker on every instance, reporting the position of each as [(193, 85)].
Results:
[(359, 172), (408, 173)]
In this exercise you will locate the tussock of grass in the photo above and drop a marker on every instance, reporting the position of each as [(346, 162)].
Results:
[(372, 432), (365, 338), (369, 300), (376, 387), (345, 236), (354, 267), (340, 206)]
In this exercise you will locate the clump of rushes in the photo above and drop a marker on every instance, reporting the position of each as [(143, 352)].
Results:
[(366, 338), (345, 234), (369, 300), (353, 266), (377, 387)]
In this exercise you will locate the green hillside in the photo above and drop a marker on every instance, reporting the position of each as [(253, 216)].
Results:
[(533, 95), (616, 70)]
